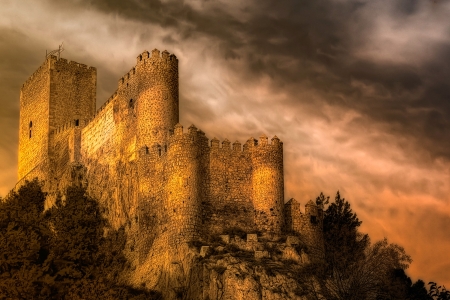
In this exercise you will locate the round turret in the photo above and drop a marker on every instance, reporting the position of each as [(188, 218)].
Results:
[(157, 103), (183, 187), (267, 184)]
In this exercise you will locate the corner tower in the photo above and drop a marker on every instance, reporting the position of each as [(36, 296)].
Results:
[(157, 101), (267, 183), (57, 93)]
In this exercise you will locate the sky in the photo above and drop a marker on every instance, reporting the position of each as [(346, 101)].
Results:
[(357, 90)]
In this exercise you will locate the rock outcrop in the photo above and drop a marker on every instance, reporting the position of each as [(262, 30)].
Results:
[(228, 268)]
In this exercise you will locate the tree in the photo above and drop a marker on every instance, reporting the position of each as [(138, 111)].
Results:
[(61, 253), (344, 245), (438, 292), (78, 230), (24, 244), (353, 268), (86, 263), (418, 291)]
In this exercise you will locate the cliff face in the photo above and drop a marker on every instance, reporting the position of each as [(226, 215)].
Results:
[(243, 280), (229, 268)]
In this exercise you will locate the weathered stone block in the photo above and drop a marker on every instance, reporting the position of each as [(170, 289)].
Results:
[(225, 238), (291, 254), (205, 251), (292, 240), (262, 254), (252, 238)]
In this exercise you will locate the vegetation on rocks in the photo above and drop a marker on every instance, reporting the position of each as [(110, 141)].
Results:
[(61, 253), (70, 252)]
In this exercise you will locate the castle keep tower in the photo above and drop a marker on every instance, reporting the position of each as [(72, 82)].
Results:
[(56, 94)]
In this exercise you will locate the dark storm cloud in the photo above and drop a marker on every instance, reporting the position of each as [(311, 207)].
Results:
[(408, 100), (17, 63)]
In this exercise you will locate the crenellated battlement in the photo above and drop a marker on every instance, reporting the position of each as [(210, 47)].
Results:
[(101, 108), (62, 62), (145, 58), (193, 134), (127, 78), (155, 55), (309, 209), (69, 125), (251, 144), (36, 73), (88, 123), (176, 135)]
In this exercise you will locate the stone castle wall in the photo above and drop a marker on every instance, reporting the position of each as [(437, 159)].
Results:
[(228, 188), (57, 96), (166, 185), (34, 123), (268, 184), (72, 91), (308, 225)]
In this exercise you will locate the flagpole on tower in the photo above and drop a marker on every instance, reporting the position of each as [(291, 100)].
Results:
[(56, 52)]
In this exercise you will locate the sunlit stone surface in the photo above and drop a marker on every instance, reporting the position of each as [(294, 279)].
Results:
[(167, 185)]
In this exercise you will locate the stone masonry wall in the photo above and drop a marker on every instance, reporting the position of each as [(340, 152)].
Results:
[(66, 146), (308, 225), (72, 91), (184, 177), (65, 149), (228, 186), (34, 123), (293, 216), (158, 96), (108, 152), (152, 214), (268, 184), (99, 132)]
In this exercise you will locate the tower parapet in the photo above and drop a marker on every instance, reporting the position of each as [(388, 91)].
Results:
[(308, 225), (57, 93), (157, 96), (183, 188), (267, 183)]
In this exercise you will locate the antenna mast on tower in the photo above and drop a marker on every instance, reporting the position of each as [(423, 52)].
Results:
[(57, 51)]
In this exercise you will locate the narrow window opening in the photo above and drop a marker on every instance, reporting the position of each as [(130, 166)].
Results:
[(131, 103), (159, 152), (30, 127), (77, 122)]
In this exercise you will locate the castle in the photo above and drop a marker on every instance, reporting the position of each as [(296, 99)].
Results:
[(148, 172)]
